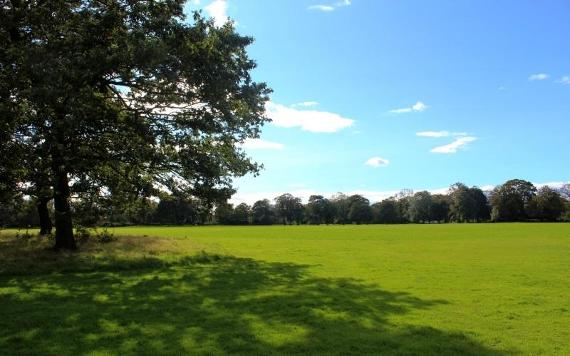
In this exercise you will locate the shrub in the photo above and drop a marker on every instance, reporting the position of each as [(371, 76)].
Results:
[(104, 236), (82, 234)]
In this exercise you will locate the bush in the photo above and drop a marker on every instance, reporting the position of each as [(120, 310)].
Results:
[(82, 234), (104, 236)]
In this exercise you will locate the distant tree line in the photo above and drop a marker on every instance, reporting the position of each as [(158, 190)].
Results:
[(515, 200)]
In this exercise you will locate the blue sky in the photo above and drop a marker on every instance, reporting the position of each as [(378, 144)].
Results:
[(374, 96)]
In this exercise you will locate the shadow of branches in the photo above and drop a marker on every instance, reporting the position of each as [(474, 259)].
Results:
[(213, 305)]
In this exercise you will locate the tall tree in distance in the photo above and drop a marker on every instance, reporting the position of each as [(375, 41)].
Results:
[(341, 206), (420, 207), (547, 205), (289, 208), (263, 213), (359, 210), (439, 208), (242, 214), (510, 201), (123, 95), (319, 210), (224, 213), (462, 203), (468, 204), (387, 212), (482, 209)]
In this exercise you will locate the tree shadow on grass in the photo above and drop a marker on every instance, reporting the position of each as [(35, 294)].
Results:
[(213, 305)]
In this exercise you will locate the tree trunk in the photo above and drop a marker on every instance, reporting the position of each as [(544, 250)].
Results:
[(43, 212), (64, 238)]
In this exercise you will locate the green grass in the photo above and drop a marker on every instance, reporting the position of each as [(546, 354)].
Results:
[(479, 289)]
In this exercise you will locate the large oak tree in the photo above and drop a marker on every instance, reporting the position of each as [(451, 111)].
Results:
[(123, 96)]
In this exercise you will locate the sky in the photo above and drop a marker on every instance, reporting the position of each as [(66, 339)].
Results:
[(374, 96)]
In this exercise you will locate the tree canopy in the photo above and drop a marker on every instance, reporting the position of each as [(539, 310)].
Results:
[(123, 97), (510, 200)]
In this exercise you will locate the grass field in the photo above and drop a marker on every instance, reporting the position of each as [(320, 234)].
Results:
[(479, 289)]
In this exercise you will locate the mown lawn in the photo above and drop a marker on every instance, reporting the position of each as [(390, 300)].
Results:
[(479, 289)]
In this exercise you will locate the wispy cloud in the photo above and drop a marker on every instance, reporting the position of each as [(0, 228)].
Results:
[(218, 9), (564, 80), (324, 8), (329, 8), (307, 120), (377, 162), (453, 147), (259, 144), (538, 76), (305, 104), (436, 134), (417, 107)]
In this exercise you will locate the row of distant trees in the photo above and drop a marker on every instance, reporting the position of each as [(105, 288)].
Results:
[(515, 200)]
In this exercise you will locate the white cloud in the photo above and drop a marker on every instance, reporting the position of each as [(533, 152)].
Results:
[(502, 88), (564, 80), (259, 144), (433, 133), (417, 107), (436, 134), (539, 76), (307, 120), (305, 104), (454, 146), (377, 162), (324, 8), (329, 8), (217, 9)]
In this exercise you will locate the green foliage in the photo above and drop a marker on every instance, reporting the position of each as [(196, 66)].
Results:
[(263, 213), (104, 236), (120, 98), (546, 205), (289, 209), (387, 212), (226, 214), (439, 211), (241, 214), (319, 210), (359, 210), (341, 208), (510, 201), (468, 204), (177, 210), (420, 207), (19, 212), (82, 234)]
